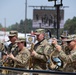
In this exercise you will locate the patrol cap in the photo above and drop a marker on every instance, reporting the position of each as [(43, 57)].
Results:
[(13, 33), (39, 31), (20, 39), (63, 36), (70, 38)]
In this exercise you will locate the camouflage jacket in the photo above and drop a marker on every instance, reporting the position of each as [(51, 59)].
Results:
[(43, 49), (12, 48), (22, 58), (70, 61), (65, 48), (3, 48)]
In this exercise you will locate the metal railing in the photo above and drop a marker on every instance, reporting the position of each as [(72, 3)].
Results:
[(36, 71)]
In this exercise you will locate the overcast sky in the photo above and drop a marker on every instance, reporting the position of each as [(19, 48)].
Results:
[(14, 10)]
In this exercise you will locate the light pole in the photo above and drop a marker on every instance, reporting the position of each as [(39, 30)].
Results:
[(25, 16), (58, 14), (4, 28)]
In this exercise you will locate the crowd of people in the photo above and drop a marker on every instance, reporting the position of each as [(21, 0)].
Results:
[(42, 55)]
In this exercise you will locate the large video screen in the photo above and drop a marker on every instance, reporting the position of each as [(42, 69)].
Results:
[(47, 18)]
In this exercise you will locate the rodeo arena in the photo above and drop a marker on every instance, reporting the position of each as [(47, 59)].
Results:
[(39, 52)]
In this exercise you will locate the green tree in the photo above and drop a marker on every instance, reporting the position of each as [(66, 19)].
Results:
[(0, 26), (70, 26), (20, 27)]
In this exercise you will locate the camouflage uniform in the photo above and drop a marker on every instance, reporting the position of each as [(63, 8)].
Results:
[(65, 49), (3, 48), (70, 59), (53, 64), (12, 48), (42, 49), (22, 58), (64, 44)]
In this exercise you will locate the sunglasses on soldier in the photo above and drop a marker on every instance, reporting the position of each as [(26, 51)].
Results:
[(68, 42), (11, 36)]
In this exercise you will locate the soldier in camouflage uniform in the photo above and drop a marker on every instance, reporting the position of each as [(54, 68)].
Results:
[(53, 57), (71, 58), (12, 48), (21, 60), (41, 51), (55, 53), (3, 48), (64, 44), (13, 35)]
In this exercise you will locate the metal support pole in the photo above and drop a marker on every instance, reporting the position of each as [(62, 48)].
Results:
[(4, 28), (58, 17), (58, 21), (25, 16)]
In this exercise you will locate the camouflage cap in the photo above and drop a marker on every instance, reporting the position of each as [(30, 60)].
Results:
[(20, 39), (13, 33), (63, 36), (39, 31), (70, 38)]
